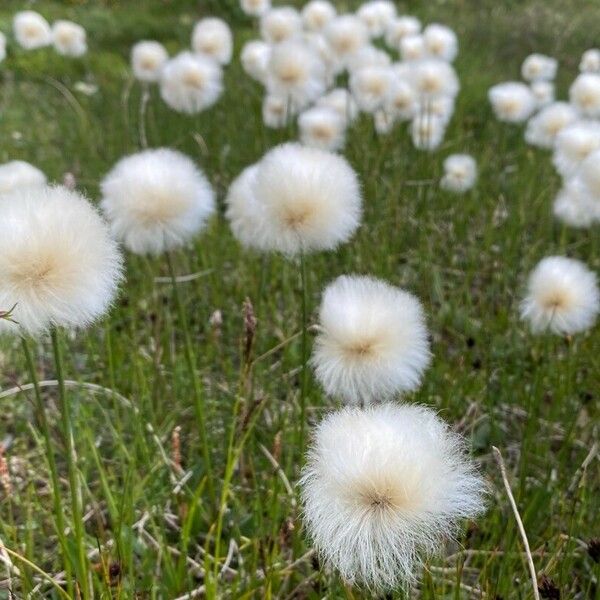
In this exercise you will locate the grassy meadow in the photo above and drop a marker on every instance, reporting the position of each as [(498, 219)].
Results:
[(151, 527)]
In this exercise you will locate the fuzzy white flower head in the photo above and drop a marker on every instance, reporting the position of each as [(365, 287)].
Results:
[(317, 13), (255, 58), (412, 47), (383, 489), (340, 100), (323, 128), (277, 111), (295, 72), (401, 100), (311, 198), (562, 297), (376, 14), (589, 173), (573, 144), (440, 42), (512, 102), (370, 87), (460, 173), (190, 83), (399, 28), (584, 94), (244, 211), (255, 8), (590, 61), (543, 92), (280, 24), (319, 44), (539, 67), (18, 174), (69, 38), (346, 35), (432, 78), (212, 37), (574, 206), (147, 60), (156, 200), (543, 127), (59, 265), (2, 46), (427, 131), (31, 30), (372, 342), (368, 56)]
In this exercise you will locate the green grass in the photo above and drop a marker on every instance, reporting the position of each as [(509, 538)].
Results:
[(150, 529)]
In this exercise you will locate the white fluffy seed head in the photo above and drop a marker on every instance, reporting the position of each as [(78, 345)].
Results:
[(412, 47), (255, 58), (190, 83), (18, 174), (346, 35), (58, 264), (399, 28), (584, 94), (427, 131), (539, 67), (562, 297), (401, 101), (156, 200), (543, 92), (373, 340), (68, 38), (31, 30), (573, 144), (512, 102), (590, 61), (368, 56), (147, 60), (255, 8), (280, 24), (370, 87), (212, 37), (383, 489), (376, 14), (295, 72), (316, 14), (323, 128), (460, 173), (440, 42), (432, 78), (311, 199), (575, 207), (543, 127), (340, 100)]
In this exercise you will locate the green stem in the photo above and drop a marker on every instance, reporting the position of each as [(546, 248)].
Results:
[(40, 410), (76, 510), (196, 388)]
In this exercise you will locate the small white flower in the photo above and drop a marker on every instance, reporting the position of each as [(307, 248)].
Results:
[(539, 67), (323, 128), (317, 13), (59, 266), (190, 83), (346, 35), (280, 24), (156, 200), (372, 342), (69, 38), (383, 489), (255, 58), (460, 173), (368, 56), (376, 14), (31, 30), (432, 78), (18, 174), (543, 127), (399, 28), (562, 297), (584, 94), (147, 60), (401, 100), (212, 37), (370, 87), (544, 93), (590, 61), (440, 42), (573, 144), (255, 8), (412, 47), (512, 101), (574, 206)]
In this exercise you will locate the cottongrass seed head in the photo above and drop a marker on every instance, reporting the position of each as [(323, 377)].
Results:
[(59, 265), (255, 8), (255, 58), (322, 127), (574, 206), (372, 341), (280, 24), (212, 37), (544, 93), (539, 67), (311, 199), (573, 144), (31, 30), (156, 200), (190, 83), (460, 173), (512, 101), (18, 174), (562, 297), (584, 94), (316, 14), (69, 39), (544, 126), (383, 489), (440, 42), (590, 61), (147, 60)]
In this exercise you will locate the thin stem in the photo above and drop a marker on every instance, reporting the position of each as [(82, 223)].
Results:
[(40, 410), (304, 349), (65, 410), (195, 380), (142, 117)]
